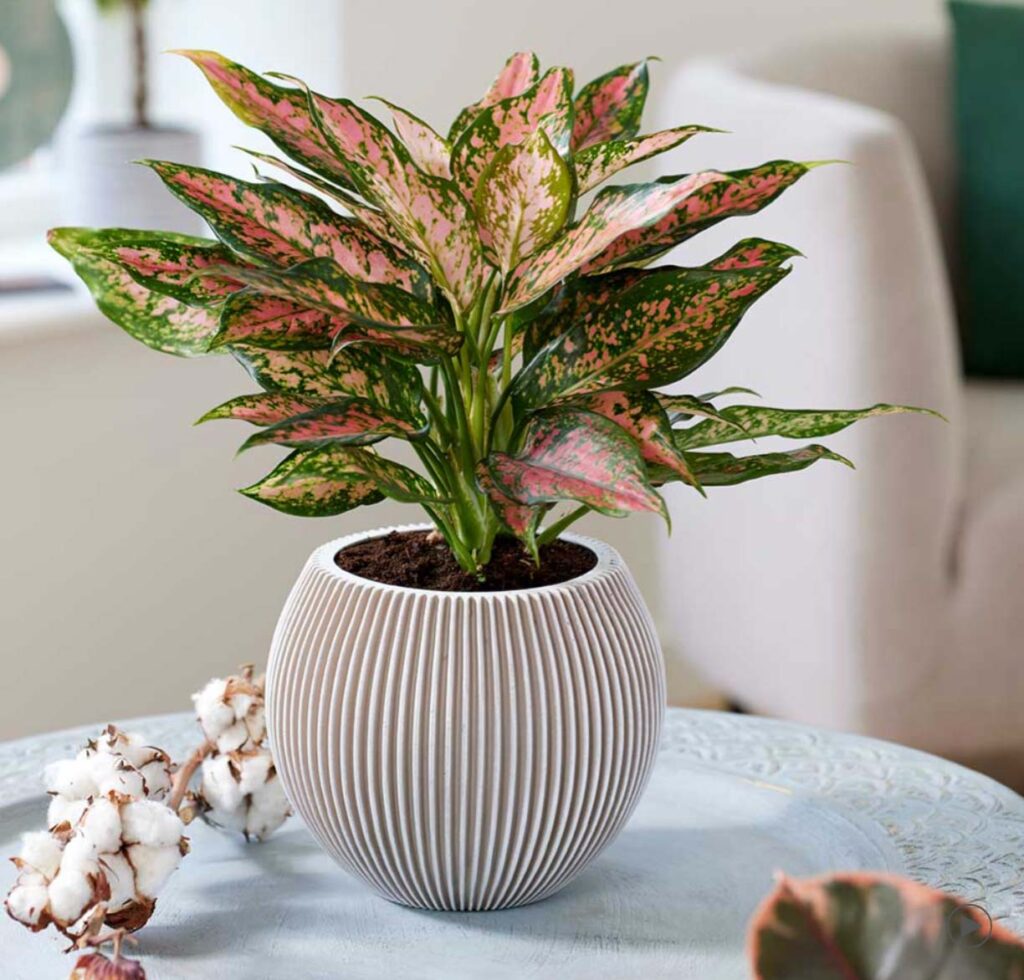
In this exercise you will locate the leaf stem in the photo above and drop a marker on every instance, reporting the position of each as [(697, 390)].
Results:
[(551, 532)]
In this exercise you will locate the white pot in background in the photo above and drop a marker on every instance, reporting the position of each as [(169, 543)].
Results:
[(103, 187), (464, 751)]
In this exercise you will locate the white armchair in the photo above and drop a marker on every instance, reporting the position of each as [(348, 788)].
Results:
[(888, 601)]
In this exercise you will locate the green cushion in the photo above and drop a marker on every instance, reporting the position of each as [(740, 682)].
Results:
[(989, 111)]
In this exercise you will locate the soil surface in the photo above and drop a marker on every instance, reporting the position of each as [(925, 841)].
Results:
[(422, 560)]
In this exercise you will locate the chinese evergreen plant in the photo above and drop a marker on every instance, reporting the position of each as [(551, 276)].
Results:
[(465, 299)]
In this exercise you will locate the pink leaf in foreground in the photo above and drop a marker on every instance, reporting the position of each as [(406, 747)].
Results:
[(519, 73)]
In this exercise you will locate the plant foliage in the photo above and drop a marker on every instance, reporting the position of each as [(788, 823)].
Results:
[(459, 292)]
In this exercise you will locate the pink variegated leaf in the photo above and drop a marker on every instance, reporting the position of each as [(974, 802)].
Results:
[(351, 422), (640, 415), (282, 225), (181, 266), (610, 106), (521, 519), (262, 408), (427, 211), (262, 320), (158, 320), (374, 220), (318, 376), (523, 200), (421, 345), (598, 162), (571, 454), (280, 113), (334, 479), (755, 253), (642, 329), (745, 192), (614, 211), (519, 73), (429, 151), (547, 106)]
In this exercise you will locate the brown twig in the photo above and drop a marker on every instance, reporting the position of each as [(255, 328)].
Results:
[(179, 786)]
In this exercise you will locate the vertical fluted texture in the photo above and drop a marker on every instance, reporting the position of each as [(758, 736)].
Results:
[(464, 751)]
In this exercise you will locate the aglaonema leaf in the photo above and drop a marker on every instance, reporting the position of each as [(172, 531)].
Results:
[(429, 151), (867, 924), (519, 73), (427, 211), (280, 113), (181, 266), (610, 106), (523, 200), (726, 470), (262, 408), (572, 454), (755, 421), (261, 320), (158, 320), (613, 212), (653, 330), (745, 192), (680, 408), (639, 414), (352, 421), (318, 376), (521, 519), (281, 225), (546, 105), (598, 162)]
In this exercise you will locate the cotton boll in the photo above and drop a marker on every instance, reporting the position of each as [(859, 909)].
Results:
[(29, 901), (256, 725), (100, 824), (114, 774), (156, 776), (71, 892), (233, 737), (219, 785), (153, 866), (71, 778), (63, 810), (213, 708), (147, 822), (121, 877), (268, 809), (41, 851), (254, 770)]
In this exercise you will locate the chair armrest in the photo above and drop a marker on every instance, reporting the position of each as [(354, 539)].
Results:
[(791, 593)]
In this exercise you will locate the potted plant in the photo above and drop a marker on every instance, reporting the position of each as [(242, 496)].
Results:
[(465, 712), (100, 183)]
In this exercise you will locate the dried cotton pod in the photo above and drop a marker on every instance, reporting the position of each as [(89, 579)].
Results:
[(95, 966)]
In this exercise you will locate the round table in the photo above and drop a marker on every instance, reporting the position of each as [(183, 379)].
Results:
[(731, 800)]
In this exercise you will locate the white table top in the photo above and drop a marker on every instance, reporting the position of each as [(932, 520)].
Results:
[(731, 800)]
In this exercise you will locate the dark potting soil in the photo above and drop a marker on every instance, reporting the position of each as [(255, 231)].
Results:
[(422, 560)]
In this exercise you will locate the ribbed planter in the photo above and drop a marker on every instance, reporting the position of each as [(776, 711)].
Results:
[(464, 751)]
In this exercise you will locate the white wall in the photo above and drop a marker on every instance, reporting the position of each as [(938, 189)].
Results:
[(131, 572)]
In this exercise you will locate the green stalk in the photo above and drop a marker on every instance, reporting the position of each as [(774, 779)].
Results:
[(549, 534)]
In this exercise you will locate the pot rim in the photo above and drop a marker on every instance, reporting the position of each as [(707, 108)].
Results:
[(608, 561)]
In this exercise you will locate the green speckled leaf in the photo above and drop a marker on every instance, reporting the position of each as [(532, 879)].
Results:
[(598, 162), (281, 225), (333, 479), (726, 470), (519, 73), (352, 421), (755, 421), (746, 192), (856, 925), (681, 408), (318, 376), (280, 113), (262, 408), (428, 212), (613, 212), (522, 200), (159, 321), (610, 106), (657, 328), (546, 106), (429, 151), (572, 454)]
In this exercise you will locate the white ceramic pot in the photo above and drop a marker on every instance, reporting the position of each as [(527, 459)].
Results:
[(459, 750)]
